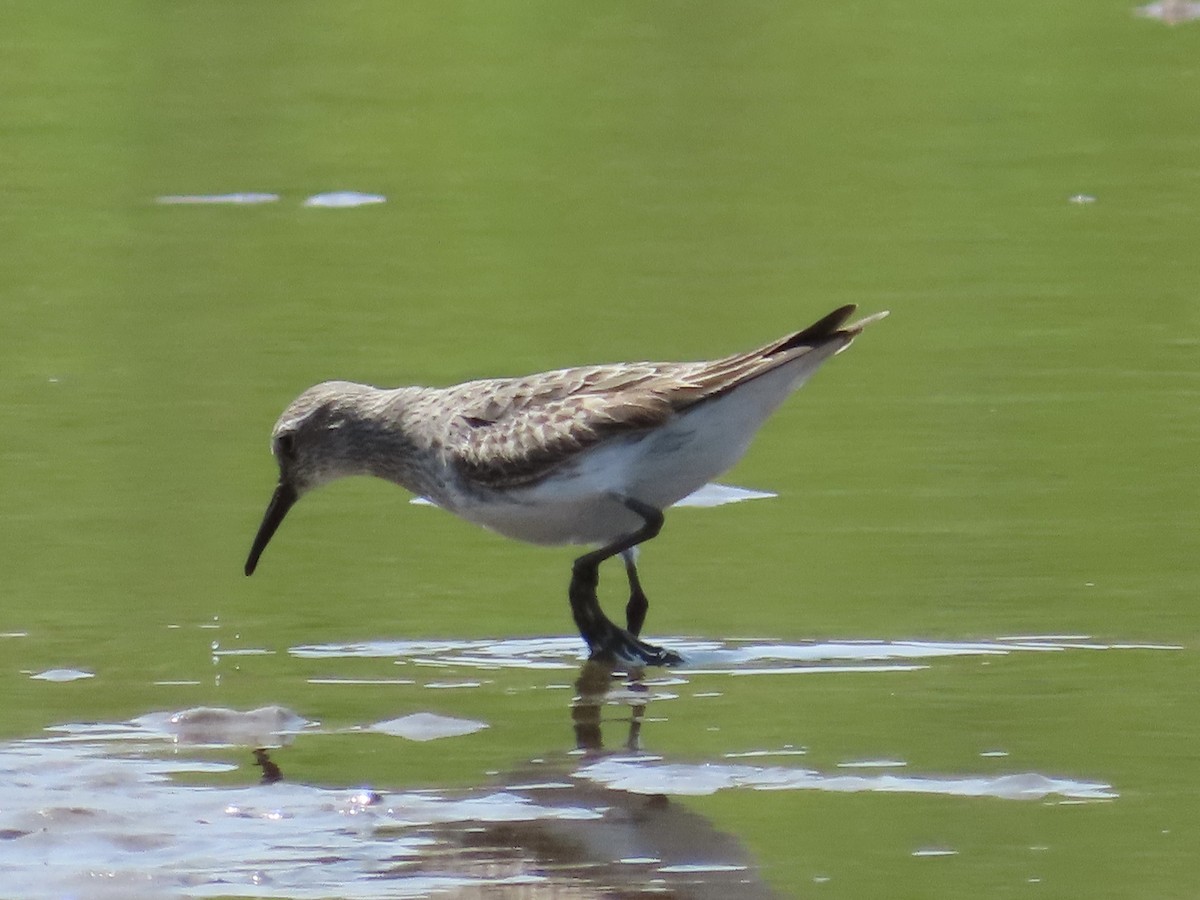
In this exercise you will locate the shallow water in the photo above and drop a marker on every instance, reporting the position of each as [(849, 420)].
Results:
[(954, 655), (123, 796), (609, 813)]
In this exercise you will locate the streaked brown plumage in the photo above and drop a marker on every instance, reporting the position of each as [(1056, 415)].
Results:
[(582, 455)]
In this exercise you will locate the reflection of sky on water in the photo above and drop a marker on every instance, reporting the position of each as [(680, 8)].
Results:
[(97, 808), (79, 820), (97, 805), (326, 200), (748, 657), (1173, 12), (658, 777)]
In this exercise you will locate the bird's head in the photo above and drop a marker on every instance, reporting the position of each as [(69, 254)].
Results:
[(313, 442)]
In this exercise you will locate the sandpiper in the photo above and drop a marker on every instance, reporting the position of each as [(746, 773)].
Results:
[(589, 455)]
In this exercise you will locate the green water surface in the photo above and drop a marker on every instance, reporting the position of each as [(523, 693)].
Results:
[(1014, 451)]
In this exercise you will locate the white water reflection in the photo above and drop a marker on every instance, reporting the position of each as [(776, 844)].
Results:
[(246, 198), (62, 675), (1173, 12), (715, 494), (326, 200), (201, 726), (525, 653), (748, 657), (427, 727), (344, 199), (267, 726), (98, 808), (655, 777), (79, 821), (752, 754)]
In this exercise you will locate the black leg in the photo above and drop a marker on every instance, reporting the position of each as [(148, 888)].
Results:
[(635, 609), (604, 639)]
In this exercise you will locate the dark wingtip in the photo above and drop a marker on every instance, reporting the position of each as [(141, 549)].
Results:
[(820, 331)]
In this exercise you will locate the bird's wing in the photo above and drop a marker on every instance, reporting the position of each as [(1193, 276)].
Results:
[(507, 432)]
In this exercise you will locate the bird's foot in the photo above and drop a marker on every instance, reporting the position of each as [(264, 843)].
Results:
[(618, 645)]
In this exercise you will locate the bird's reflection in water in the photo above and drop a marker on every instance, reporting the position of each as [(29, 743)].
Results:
[(271, 772), (631, 845), (594, 690)]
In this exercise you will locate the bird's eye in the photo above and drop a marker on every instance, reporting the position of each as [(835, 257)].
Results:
[(286, 445)]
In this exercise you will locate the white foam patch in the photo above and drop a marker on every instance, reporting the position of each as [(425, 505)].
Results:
[(427, 727), (708, 778), (238, 199), (343, 200)]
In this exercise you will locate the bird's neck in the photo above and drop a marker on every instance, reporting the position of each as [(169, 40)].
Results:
[(381, 441)]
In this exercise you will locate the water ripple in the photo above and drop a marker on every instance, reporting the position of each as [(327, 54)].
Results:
[(644, 777), (77, 821), (735, 657)]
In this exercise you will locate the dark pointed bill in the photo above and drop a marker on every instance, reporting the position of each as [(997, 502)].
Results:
[(281, 501)]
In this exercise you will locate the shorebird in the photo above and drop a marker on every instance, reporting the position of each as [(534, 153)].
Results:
[(588, 455)]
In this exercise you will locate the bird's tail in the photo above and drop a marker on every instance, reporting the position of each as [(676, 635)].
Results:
[(829, 329)]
